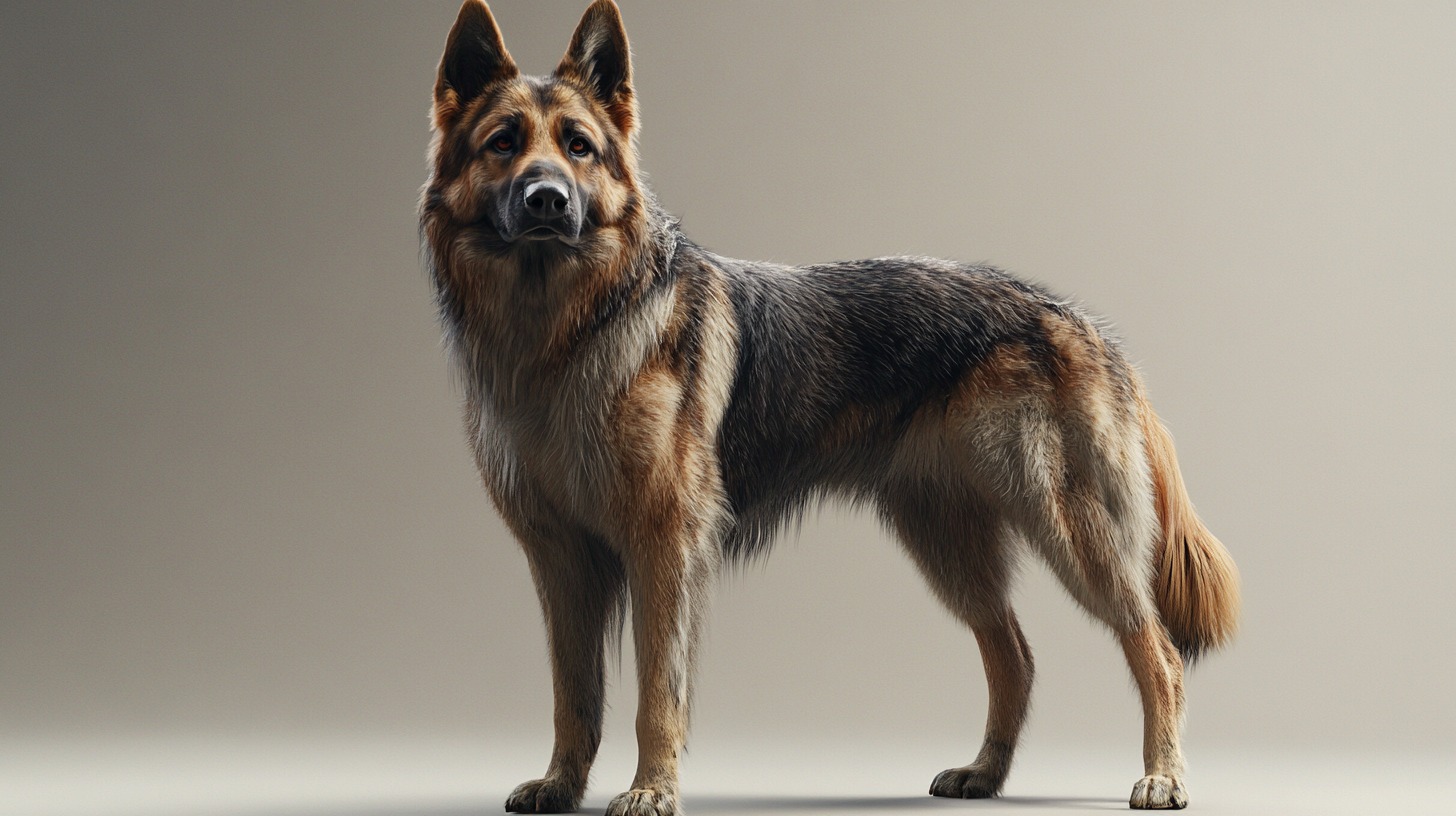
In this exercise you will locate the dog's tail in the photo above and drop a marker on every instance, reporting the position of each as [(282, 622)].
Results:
[(1195, 582)]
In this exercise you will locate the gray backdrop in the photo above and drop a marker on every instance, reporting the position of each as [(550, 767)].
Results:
[(235, 498)]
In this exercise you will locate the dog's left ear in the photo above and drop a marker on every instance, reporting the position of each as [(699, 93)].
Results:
[(600, 59)]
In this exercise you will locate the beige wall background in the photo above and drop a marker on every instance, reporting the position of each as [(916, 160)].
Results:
[(234, 496)]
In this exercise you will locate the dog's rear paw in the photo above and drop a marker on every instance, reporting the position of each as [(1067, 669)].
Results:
[(969, 782), (543, 796), (643, 802), (1158, 793)]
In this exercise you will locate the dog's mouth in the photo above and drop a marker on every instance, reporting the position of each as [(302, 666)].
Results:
[(544, 232), (541, 233)]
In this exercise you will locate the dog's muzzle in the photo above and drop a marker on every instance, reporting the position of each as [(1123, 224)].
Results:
[(543, 208)]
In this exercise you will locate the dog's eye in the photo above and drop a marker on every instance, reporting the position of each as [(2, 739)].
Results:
[(504, 143), (578, 146)]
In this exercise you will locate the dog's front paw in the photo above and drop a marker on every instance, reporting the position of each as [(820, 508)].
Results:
[(1158, 793), (644, 802), (969, 782), (547, 795)]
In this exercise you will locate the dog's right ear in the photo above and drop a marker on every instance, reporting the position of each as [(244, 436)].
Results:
[(475, 58)]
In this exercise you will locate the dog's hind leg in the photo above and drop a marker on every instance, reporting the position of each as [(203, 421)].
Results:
[(581, 584), (962, 549), (1093, 520), (1118, 589), (1007, 660)]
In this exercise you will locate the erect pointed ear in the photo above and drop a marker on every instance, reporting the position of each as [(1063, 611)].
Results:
[(475, 57), (599, 58)]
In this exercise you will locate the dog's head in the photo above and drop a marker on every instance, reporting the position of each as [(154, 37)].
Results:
[(535, 164)]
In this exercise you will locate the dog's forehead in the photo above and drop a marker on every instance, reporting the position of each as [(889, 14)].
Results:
[(534, 102)]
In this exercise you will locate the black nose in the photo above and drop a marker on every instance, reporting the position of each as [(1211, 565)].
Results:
[(547, 200)]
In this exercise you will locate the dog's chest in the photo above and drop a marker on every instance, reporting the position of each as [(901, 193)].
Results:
[(549, 433)]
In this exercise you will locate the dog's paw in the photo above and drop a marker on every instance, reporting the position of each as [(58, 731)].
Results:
[(543, 796), (969, 782), (1158, 793), (644, 802)]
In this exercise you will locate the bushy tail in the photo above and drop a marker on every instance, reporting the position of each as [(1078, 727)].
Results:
[(1195, 582)]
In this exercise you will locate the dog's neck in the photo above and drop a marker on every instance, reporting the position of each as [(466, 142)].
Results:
[(514, 320)]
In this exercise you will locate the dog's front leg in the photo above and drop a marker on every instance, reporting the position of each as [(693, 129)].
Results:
[(580, 583), (669, 579)]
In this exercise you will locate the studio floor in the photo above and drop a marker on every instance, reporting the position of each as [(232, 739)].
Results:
[(232, 776)]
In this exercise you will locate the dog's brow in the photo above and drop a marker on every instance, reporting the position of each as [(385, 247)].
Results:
[(572, 124), (494, 121)]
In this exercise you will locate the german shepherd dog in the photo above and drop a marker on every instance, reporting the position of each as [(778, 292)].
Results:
[(644, 411)]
